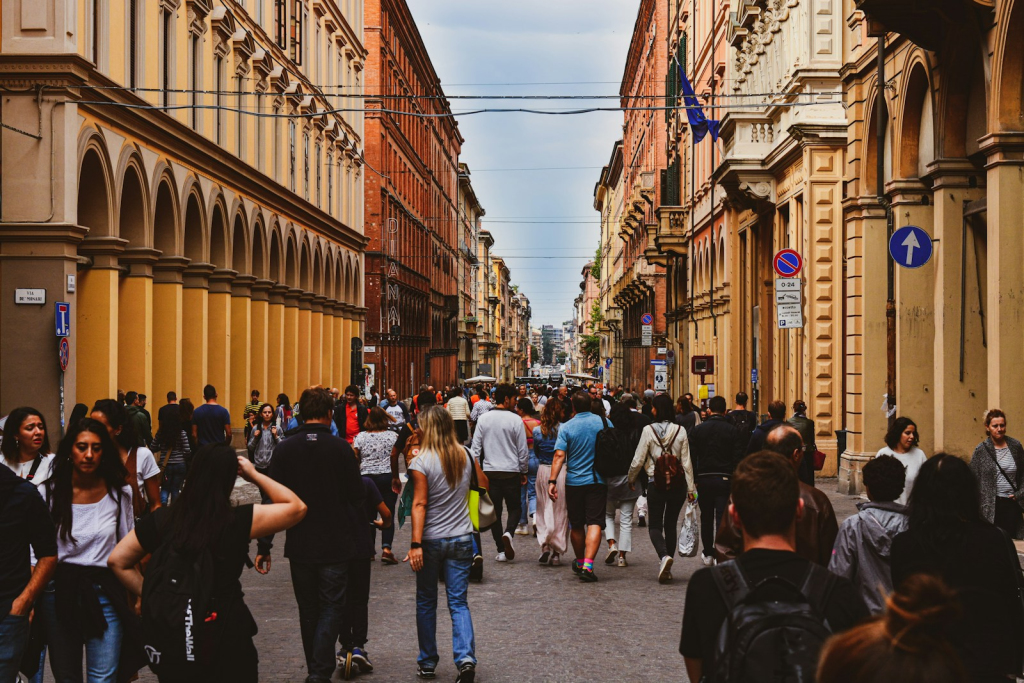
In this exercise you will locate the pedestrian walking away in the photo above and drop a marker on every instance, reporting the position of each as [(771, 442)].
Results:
[(551, 520), (717, 447), (527, 410), (458, 406), (622, 495), (211, 423), (901, 443), (442, 540), (586, 493), (998, 464), (663, 457), (499, 445), (203, 530), (323, 471), (805, 426), (373, 447)]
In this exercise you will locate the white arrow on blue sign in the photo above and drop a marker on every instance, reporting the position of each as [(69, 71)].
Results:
[(910, 247)]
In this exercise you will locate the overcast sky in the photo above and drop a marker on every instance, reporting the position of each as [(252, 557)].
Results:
[(578, 44)]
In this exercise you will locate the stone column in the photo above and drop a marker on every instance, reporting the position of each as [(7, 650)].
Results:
[(866, 422), (316, 341), (291, 344), (958, 406), (327, 348), (194, 330), (135, 321), (302, 350), (339, 349), (275, 341), (241, 347), (260, 330), (915, 316), (1005, 305), (168, 350), (357, 330), (218, 371), (345, 351), (95, 321)]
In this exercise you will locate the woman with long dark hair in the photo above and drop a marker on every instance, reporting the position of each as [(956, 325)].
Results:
[(622, 496), (551, 519), (203, 520), (528, 497), (949, 538), (901, 443), (86, 608), (373, 447), (143, 474), (283, 414), (998, 463), (26, 446)]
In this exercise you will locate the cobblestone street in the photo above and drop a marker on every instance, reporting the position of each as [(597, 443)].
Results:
[(532, 623)]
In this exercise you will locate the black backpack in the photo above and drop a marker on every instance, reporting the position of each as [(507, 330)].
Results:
[(612, 454), (181, 627), (744, 421), (777, 641)]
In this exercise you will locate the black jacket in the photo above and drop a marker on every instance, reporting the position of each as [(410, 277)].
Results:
[(716, 446), (342, 423), (323, 472), (757, 437)]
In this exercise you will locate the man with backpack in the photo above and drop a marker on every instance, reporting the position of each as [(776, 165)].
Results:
[(499, 444), (816, 529), (743, 419), (717, 447), (765, 615)]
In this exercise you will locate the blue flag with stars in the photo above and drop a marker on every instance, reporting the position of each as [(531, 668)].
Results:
[(699, 123)]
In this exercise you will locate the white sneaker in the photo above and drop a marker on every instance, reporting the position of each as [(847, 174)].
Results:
[(622, 561), (500, 558), (665, 570), (556, 560), (708, 560), (613, 552), (510, 551), (522, 530)]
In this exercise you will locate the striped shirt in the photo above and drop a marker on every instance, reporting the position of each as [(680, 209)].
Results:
[(1004, 489)]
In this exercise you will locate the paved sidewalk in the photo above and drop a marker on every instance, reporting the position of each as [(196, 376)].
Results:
[(532, 623)]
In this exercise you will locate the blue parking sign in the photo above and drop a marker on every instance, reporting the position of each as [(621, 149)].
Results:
[(910, 247), (62, 318)]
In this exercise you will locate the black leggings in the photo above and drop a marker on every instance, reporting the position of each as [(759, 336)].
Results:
[(712, 498), (663, 518)]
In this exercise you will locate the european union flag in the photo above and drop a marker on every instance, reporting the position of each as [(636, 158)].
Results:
[(700, 125)]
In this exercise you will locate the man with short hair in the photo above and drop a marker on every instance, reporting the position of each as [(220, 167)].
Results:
[(396, 409), (168, 426), (350, 416), (716, 447), (483, 405), (25, 523), (499, 444), (586, 492), (323, 472), (741, 418), (776, 416), (251, 413), (766, 506), (211, 423), (816, 529), (140, 420), (595, 395), (861, 551)]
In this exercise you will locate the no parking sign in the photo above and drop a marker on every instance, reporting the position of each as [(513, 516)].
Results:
[(787, 263)]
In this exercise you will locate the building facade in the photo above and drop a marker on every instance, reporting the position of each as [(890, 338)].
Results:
[(411, 207), (609, 203), (176, 176)]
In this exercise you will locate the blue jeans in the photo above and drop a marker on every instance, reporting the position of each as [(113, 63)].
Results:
[(174, 478), (66, 643), (13, 639), (453, 556), (528, 497), (383, 484), (320, 593)]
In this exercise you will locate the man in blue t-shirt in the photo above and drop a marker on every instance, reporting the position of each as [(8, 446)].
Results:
[(211, 423), (585, 490)]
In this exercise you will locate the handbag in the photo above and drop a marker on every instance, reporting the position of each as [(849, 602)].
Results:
[(481, 507), (819, 460), (689, 534)]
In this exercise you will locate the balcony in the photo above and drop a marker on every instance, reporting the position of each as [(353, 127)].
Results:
[(924, 22), (672, 230)]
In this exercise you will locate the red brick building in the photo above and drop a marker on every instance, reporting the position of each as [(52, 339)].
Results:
[(641, 288), (411, 215)]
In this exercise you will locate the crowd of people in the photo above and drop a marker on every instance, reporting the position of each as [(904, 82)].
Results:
[(125, 547)]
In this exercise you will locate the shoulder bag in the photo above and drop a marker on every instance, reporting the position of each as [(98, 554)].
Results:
[(481, 508)]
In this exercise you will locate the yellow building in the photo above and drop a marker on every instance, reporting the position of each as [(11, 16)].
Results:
[(174, 172)]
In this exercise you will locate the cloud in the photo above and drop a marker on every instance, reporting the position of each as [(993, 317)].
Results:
[(478, 46)]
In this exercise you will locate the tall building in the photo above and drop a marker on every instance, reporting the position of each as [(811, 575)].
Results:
[(411, 207), (609, 202), (177, 176), (470, 216)]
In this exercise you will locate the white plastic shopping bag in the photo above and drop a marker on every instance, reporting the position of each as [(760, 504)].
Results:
[(689, 535)]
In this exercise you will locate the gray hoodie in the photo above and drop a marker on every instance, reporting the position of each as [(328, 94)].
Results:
[(861, 552)]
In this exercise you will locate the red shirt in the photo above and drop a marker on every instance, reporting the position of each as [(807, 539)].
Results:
[(351, 422)]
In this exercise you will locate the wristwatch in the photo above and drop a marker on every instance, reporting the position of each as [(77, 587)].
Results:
[(552, 481), (414, 545)]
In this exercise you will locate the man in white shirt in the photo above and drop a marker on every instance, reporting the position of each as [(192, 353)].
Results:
[(458, 406)]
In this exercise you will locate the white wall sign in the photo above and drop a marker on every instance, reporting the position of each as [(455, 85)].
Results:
[(647, 335), (660, 379), (369, 349), (30, 296)]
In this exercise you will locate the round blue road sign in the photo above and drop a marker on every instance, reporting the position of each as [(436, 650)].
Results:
[(788, 263), (910, 246)]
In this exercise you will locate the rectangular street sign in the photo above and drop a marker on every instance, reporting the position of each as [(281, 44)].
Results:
[(62, 318), (30, 296), (753, 375), (662, 350), (789, 310), (660, 380), (790, 322), (783, 296), (647, 335), (659, 362), (788, 285)]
